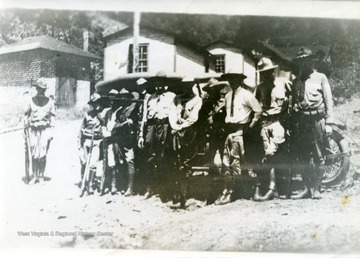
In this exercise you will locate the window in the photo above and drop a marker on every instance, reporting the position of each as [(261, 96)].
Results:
[(220, 63), (143, 59)]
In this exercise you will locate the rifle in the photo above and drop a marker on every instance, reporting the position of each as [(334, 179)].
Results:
[(28, 158), (103, 177), (85, 179)]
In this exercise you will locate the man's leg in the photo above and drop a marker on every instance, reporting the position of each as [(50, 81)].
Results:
[(129, 157), (42, 166)]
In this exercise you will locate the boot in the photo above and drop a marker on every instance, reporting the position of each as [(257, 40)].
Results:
[(113, 182), (257, 195), (148, 193), (90, 188), (227, 197), (268, 196), (302, 195), (42, 165), (128, 192), (318, 174), (221, 197), (35, 169)]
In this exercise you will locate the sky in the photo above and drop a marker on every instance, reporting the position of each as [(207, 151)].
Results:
[(282, 8)]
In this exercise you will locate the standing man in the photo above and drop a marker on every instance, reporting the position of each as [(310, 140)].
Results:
[(242, 112), (314, 106), (39, 126), (273, 95), (155, 130), (109, 139), (183, 115), (125, 136), (89, 140)]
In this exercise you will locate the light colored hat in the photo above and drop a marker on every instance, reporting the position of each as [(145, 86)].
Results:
[(124, 93), (213, 83), (40, 84), (141, 81), (94, 97), (304, 52), (250, 82), (265, 64), (113, 92)]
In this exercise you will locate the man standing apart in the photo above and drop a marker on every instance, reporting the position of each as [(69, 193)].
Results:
[(39, 126), (241, 105)]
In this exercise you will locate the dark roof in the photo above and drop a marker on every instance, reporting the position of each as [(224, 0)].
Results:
[(289, 53), (221, 42), (45, 42)]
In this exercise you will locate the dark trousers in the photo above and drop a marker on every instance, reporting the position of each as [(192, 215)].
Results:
[(156, 151)]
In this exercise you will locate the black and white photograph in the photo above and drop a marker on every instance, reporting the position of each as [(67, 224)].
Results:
[(180, 129)]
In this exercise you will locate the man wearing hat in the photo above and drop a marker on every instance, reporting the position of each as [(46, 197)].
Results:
[(313, 105), (216, 118), (242, 112), (109, 121), (39, 124), (124, 133), (272, 94), (183, 115), (89, 140), (155, 130)]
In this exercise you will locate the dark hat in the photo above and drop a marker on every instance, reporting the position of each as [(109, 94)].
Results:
[(125, 94), (40, 84), (94, 98), (161, 76), (232, 76)]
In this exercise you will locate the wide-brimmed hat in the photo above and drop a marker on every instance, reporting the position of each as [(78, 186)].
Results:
[(94, 98), (232, 76), (160, 76), (125, 94), (213, 83), (265, 64), (40, 84), (141, 81), (113, 92)]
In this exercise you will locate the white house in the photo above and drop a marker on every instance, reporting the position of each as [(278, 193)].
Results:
[(157, 51), (229, 58)]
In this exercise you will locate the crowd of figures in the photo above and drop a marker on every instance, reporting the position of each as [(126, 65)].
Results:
[(148, 141)]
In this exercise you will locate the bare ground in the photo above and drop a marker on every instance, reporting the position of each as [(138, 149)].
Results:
[(329, 225)]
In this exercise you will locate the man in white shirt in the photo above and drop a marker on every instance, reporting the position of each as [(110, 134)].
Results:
[(155, 130), (242, 112)]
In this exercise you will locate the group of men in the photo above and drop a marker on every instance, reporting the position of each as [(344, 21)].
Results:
[(159, 133)]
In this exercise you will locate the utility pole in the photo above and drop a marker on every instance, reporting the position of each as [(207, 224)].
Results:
[(136, 41)]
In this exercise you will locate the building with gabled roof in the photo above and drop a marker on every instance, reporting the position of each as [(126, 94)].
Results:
[(158, 50), (65, 68)]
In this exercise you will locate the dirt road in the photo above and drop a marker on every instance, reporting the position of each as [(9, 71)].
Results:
[(53, 215)]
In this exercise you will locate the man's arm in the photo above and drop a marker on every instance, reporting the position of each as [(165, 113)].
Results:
[(327, 100), (256, 108)]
